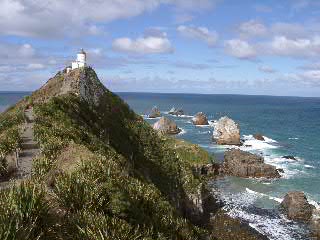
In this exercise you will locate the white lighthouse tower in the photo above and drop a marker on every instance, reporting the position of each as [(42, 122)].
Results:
[(81, 60)]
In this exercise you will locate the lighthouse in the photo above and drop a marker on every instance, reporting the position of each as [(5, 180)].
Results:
[(81, 60)]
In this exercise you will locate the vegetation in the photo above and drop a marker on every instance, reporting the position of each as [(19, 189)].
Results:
[(103, 173), (10, 138)]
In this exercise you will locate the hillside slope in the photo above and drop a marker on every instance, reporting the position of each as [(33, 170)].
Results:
[(103, 172)]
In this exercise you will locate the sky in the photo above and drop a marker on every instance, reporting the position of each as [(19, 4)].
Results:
[(268, 47)]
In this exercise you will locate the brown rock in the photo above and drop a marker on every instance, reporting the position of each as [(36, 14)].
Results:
[(166, 126), (259, 136), (200, 119), (226, 132), (228, 228), (212, 169), (155, 112), (296, 206), (244, 164), (176, 112)]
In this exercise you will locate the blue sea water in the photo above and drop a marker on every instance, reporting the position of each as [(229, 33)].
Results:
[(291, 126)]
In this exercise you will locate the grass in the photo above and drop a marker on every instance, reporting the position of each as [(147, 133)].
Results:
[(24, 212), (10, 135), (103, 173)]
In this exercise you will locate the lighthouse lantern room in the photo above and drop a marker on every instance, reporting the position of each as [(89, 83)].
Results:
[(81, 60)]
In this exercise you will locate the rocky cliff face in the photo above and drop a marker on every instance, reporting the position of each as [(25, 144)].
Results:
[(244, 164), (82, 82)]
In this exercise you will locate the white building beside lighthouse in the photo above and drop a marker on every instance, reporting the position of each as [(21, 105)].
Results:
[(81, 60)]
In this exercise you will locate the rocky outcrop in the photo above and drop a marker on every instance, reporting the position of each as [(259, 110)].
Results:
[(176, 112), (228, 228), (212, 169), (200, 119), (289, 157), (166, 126), (295, 205), (82, 82), (226, 132), (259, 136), (244, 164), (155, 112)]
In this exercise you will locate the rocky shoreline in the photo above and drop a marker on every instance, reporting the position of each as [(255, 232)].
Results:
[(244, 164)]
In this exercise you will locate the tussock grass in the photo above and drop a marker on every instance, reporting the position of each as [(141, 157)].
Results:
[(23, 212)]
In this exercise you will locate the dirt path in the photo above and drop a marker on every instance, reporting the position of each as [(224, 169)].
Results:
[(29, 149)]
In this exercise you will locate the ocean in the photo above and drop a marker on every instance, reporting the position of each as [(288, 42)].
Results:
[(291, 126)]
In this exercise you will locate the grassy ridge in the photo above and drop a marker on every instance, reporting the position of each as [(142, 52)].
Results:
[(103, 173)]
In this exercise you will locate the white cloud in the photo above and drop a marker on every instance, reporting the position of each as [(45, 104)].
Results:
[(35, 66), (311, 75), (58, 18), (240, 49), (301, 47), (143, 45), (201, 33), (266, 69), (252, 28)]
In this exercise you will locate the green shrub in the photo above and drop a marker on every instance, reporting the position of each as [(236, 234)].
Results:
[(23, 212), (10, 141)]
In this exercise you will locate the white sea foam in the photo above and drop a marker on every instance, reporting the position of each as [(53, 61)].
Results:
[(293, 138), (240, 205), (279, 200), (147, 117), (183, 131), (252, 144), (308, 166), (282, 163), (203, 126)]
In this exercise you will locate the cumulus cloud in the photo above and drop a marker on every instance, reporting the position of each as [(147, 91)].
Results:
[(252, 28), (143, 45), (201, 33), (240, 49), (56, 18), (266, 69), (284, 46)]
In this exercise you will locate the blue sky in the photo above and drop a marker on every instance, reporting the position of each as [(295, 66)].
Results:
[(196, 46)]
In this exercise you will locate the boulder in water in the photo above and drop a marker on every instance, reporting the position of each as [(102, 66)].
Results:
[(296, 206), (289, 157), (200, 119), (176, 112), (244, 164), (155, 112), (226, 132), (259, 136), (166, 126)]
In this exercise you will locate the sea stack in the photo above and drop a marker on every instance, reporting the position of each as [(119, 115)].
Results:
[(259, 136), (155, 112), (176, 112), (166, 126), (200, 119), (226, 132)]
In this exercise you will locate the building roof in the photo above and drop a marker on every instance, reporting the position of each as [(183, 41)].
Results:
[(82, 51)]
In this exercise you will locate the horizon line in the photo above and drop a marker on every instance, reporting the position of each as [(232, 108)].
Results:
[(231, 94)]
